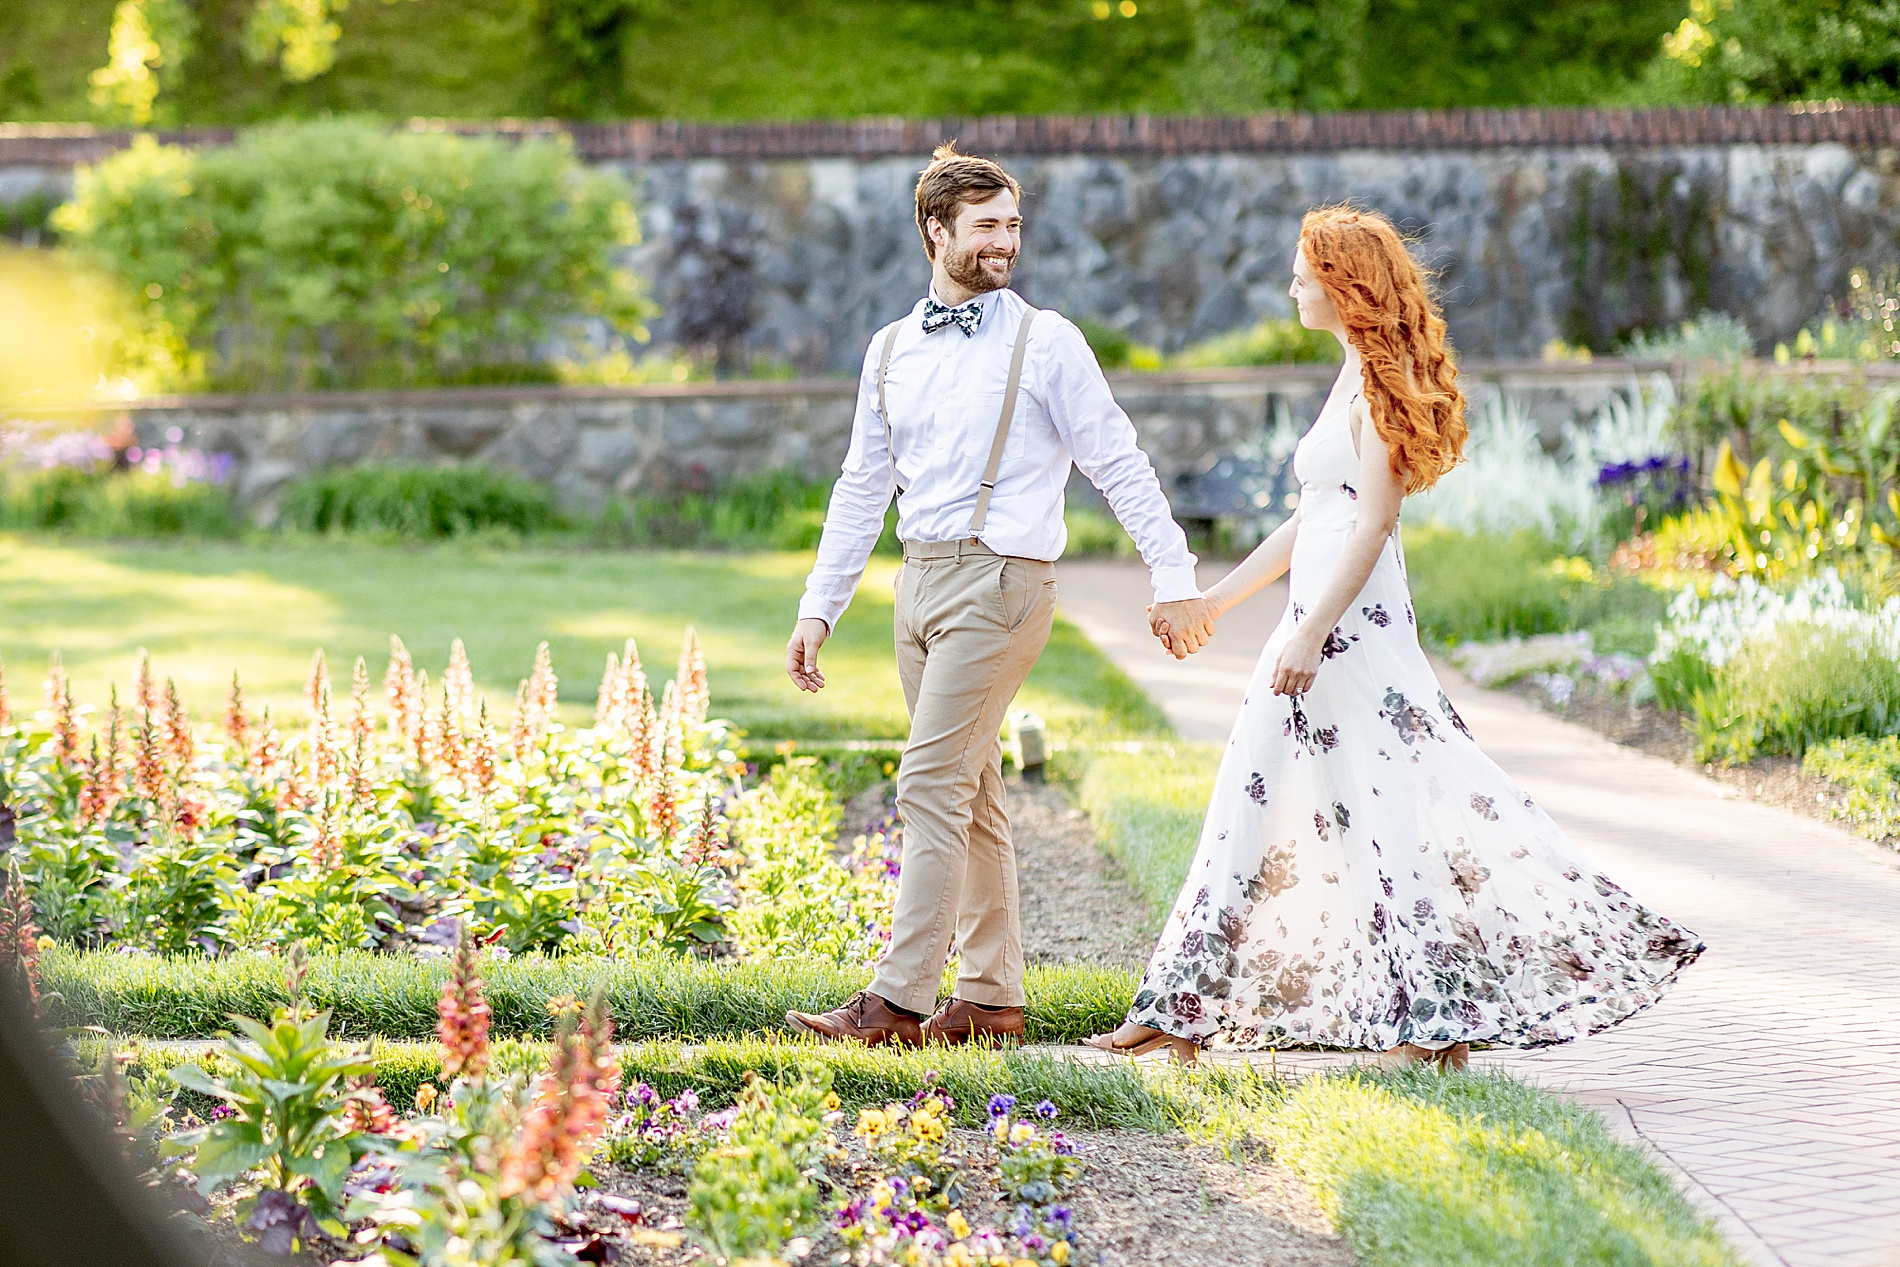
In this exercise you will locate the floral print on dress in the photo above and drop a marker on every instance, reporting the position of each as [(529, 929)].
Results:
[(1451, 714), (1412, 722), (1336, 643), (1484, 923)]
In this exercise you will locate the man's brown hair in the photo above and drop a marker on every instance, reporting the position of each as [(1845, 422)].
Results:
[(952, 180)]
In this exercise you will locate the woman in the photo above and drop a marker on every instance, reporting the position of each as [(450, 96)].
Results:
[(1366, 877)]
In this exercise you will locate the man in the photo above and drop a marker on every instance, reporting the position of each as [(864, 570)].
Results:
[(972, 409)]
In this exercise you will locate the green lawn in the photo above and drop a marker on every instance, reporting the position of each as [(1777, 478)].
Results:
[(206, 609)]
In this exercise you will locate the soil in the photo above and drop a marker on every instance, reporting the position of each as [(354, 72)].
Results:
[(1777, 781), (1077, 902), (1142, 1199)]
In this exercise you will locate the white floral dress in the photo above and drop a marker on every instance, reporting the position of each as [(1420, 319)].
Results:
[(1366, 876)]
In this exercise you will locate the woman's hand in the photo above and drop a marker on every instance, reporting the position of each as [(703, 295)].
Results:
[(1298, 664)]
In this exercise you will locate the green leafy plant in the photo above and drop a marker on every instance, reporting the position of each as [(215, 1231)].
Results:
[(289, 1095), (176, 893), (417, 502), (1035, 1165), (1867, 772), (1272, 341), (1783, 50), (755, 1192)]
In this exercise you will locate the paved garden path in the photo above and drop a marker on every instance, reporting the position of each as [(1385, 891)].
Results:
[(1769, 1080)]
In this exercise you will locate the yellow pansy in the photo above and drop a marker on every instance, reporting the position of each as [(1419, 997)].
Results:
[(958, 1225)]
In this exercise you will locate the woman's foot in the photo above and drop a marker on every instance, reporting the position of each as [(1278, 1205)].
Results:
[(1138, 1040), (1410, 1055)]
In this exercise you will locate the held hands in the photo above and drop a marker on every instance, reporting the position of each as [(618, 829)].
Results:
[(1298, 665), (1183, 627), (801, 654)]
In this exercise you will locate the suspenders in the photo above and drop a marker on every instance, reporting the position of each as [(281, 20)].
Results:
[(1002, 422)]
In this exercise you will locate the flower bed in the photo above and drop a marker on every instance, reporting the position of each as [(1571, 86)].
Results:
[(392, 828), (565, 1151)]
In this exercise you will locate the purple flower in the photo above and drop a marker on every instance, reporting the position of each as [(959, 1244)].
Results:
[(641, 1093), (687, 1102), (1046, 1110), (913, 1222), (1001, 1104), (850, 1215), (1061, 1216)]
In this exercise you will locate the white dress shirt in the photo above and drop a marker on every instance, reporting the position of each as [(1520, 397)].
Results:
[(945, 391)]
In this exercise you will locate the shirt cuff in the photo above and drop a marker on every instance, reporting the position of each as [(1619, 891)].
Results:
[(1175, 584), (812, 607)]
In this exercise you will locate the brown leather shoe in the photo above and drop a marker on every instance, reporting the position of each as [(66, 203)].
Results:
[(960, 1022), (865, 1018)]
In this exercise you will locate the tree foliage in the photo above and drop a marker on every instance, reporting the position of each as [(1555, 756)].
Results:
[(1786, 50), (1251, 54), (340, 254)]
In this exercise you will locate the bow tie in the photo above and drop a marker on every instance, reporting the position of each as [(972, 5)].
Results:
[(965, 317)]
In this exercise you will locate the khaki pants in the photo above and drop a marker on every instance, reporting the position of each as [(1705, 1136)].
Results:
[(970, 625)]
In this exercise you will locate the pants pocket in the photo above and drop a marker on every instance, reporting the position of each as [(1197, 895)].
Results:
[(1022, 587)]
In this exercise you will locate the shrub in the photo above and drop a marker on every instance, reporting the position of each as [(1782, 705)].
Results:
[(1477, 586), (341, 254), (1097, 534), (1766, 670), (1272, 341), (79, 482), (1868, 773), (417, 502)]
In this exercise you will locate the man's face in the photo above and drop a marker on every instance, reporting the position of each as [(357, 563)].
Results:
[(980, 252)]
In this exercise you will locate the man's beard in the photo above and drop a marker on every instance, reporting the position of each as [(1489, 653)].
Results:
[(967, 271)]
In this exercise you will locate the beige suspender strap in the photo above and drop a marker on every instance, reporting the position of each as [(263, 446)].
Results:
[(884, 363), (1002, 426)]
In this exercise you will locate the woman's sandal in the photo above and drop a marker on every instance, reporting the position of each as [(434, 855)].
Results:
[(1455, 1057), (1183, 1050)]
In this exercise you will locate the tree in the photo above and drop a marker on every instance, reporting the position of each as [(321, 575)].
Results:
[(1260, 54), (1785, 50)]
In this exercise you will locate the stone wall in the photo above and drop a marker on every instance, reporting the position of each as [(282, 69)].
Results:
[(596, 443), (795, 241), (1177, 249)]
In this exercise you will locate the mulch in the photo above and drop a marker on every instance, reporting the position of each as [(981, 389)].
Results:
[(1141, 1199)]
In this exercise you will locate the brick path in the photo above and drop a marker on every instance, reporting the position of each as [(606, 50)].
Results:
[(1769, 1080)]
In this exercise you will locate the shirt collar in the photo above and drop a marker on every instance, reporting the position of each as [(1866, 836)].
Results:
[(985, 301)]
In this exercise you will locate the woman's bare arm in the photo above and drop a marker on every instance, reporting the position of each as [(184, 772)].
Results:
[(1380, 492), (1267, 564)]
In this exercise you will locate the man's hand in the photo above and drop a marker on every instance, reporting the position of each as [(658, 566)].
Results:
[(801, 653), (1186, 625)]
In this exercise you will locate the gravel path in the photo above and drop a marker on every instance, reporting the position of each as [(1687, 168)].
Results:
[(1078, 904)]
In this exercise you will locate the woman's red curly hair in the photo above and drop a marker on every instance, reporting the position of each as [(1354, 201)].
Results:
[(1391, 318)]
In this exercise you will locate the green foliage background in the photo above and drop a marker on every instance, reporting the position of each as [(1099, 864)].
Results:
[(748, 59), (337, 253)]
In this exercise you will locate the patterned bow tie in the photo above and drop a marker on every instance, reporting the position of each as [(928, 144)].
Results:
[(965, 317)]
